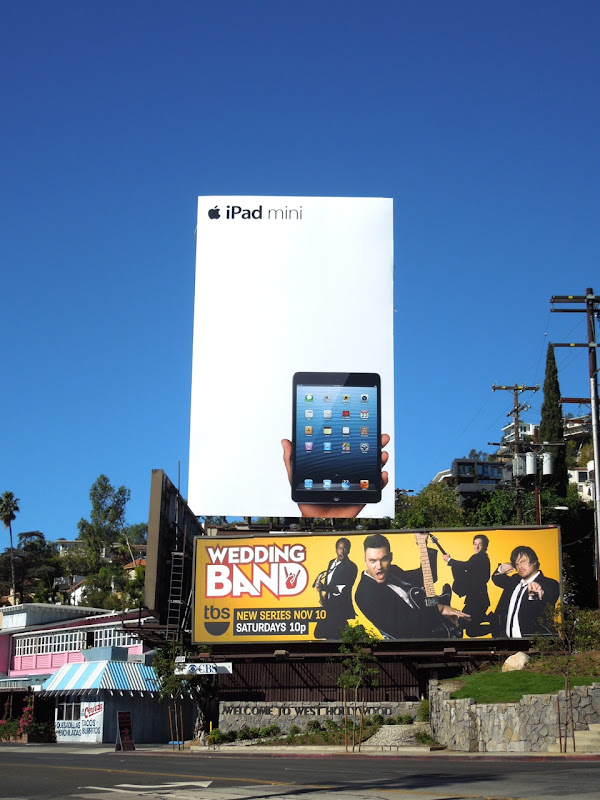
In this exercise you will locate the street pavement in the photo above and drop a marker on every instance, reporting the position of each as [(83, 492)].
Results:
[(234, 772)]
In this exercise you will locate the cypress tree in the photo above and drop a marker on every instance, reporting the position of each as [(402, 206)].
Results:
[(551, 425)]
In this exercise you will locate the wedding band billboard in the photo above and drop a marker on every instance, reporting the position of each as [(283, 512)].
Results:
[(496, 583), (292, 373)]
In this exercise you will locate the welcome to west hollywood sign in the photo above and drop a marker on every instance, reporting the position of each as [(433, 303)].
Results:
[(300, 710)]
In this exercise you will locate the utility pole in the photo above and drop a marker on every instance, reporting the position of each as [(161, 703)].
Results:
[(516, 410), (590, 305)]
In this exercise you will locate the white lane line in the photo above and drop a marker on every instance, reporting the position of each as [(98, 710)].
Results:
[(202, 784), (136, 788)]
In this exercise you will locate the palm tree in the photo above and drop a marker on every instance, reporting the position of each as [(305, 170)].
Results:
[(9, 508)]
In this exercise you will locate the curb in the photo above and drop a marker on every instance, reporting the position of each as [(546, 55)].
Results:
[(405, 753)]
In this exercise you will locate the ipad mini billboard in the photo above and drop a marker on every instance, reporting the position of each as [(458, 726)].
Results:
[(292, 408)]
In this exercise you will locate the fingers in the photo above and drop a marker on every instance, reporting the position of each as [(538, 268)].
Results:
[(287, 457), (385, 439), (330, 512)]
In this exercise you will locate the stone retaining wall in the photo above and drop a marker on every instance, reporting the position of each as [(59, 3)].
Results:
[(236, 715), (529, 725)]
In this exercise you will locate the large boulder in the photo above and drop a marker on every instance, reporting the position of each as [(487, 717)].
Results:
[(515, 662)]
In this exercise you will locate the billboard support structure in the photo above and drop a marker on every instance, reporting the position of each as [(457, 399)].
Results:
[(172, 529)]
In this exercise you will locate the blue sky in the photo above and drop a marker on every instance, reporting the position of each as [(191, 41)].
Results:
[(481, 120)]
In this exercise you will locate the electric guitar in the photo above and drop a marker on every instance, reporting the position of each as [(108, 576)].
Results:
[(443, 627)]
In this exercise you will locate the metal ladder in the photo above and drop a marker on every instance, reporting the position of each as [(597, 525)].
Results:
[(175, 591)]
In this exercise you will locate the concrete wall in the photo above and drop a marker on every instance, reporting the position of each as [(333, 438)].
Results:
[(236, 715), (529, 725)]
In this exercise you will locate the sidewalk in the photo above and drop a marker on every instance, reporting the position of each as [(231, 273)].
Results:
[(301, 751), (388, 751)]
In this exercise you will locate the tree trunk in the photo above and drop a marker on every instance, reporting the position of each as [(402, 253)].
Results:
[(12, 566)]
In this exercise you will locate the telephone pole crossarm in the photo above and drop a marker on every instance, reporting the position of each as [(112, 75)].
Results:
[(516, 389)]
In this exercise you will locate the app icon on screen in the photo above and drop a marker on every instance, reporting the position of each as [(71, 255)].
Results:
[(327, 413), (326, 483), (345, 484), (345, 430), (346, 414), (345, 398), (364, 430), (345, 447), (308, 429), (364, 398), (308, 484), (308, 446), (327, 447), (327, 430), (364, 414), (364, 484), (327, 398), (364, 447), (308, 414), (308, 398)]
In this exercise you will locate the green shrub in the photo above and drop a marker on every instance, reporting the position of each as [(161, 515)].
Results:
[(313, 725), (423, 712), (377, 719), (389, 721), (293, 732), (215, 737), (41, 728), (243, 734), (8, 729), (269, 731), (406, 719), (424, 738), (253, 733), (332, 725)]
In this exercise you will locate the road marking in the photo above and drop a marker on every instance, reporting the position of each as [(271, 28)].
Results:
[(110, 789), (146, 773), (202, 784), (136, 788)]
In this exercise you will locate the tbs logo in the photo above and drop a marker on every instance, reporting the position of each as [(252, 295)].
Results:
[(216, 620)]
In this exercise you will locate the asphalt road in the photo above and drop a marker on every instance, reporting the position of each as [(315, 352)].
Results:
[(26, 772)]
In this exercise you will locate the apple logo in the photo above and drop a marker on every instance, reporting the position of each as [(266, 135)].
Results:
[(214, 213), (216, 628)]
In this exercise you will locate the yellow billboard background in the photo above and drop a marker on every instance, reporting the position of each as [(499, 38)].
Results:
[(276, 601)]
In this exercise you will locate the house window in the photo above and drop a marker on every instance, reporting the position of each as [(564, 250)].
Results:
[(49, 643), (69, 710), (112, 637)]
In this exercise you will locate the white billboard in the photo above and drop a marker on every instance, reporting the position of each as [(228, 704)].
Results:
[(292, 376)]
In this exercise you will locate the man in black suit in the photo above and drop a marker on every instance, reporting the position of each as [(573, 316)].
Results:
[(335, 592), (526, 597), (393, 599), (470, 581)]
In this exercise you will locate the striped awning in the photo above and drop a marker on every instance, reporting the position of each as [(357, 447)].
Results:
[(93, 676)]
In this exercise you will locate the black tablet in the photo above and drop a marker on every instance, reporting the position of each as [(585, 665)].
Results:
[(336, 453)]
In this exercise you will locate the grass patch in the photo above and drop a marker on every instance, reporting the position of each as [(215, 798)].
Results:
[(509, 687)]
